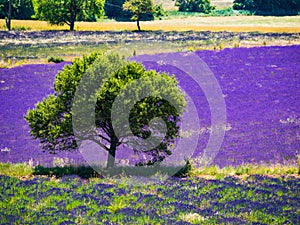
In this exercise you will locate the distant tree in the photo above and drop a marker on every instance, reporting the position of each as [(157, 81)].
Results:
[(244, 5), (60, 12), (51, 119), (158, 11), (15, 9), (138, 7), (202, 6), (114, 10)]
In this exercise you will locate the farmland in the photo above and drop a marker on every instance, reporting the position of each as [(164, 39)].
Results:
[(270, 76), (23, 47), (253, 177), (72, 200), (261, 89)]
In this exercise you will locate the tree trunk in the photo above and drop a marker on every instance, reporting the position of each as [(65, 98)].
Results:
[(72, 25), (111, 155), (8, 19), (138, 24)]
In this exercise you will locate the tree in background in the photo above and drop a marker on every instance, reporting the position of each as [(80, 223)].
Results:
[(158, 11), (15, 9), (114, 10), (202, 6), (60, 12), (269, 7), (138, 7), (52, 119)]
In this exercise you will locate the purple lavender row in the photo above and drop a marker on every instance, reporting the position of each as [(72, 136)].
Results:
[(261, 87)]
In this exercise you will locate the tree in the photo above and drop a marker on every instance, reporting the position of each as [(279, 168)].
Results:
[(138, 7), (114, 10), (15, 9), (158, 11), (202, 6), (8, 18), (60, 12), (51, 119)]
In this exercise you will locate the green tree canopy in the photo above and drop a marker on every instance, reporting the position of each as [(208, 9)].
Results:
[(114, 10), (138, 8), (51, 119), (21, 9), (60, 12), (202, 6)]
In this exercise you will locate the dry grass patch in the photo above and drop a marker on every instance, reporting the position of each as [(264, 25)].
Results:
[(231, 23)]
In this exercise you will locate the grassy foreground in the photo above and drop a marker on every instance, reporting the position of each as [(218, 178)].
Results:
[(251, 199), (211, 172), (289, 24)]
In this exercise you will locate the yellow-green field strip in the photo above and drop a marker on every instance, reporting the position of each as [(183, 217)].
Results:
[(290, 24)]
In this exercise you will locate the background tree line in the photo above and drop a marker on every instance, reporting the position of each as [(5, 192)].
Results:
[(59, 12), (269, 7), (90, 10)]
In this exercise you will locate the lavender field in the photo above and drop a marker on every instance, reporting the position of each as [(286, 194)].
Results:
[(261, 87)]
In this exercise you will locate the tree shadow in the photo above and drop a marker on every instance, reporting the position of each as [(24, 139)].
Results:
[(87, 172)]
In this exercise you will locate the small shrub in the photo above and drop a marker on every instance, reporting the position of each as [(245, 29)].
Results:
[(221, 46), (242, 170), (21, 28), (209, 170), (191, 49), (55, 59), (193, 218), (185, 170), (236, 45), (117, 204)]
